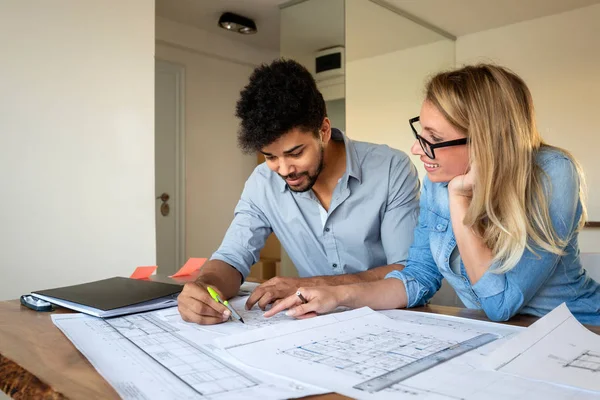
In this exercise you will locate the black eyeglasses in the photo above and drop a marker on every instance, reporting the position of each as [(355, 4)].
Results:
[(427, 146)]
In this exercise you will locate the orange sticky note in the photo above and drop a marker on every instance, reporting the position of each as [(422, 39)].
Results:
[(143, 272), (191, 266)]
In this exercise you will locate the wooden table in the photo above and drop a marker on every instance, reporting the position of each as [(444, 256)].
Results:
[(38, 361)]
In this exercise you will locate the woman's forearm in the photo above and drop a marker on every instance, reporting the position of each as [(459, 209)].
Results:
[(476, 256), (379, 295)]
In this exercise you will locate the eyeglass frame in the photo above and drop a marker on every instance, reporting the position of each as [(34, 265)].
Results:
[(433, 146)]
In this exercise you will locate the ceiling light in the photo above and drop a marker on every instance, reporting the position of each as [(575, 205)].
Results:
[(237, 23)]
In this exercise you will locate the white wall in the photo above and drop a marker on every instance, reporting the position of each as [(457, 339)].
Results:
[(559, 58), (216, 69), (385, 91), (336, 111), (76, 141)]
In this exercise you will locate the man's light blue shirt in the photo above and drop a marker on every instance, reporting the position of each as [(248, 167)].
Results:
[(370, 222)]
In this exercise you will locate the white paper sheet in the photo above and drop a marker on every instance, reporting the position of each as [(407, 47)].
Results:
[(459, 380), (253, 319), (342, 350), (556, 348), (449, 321), (157, 355), (247, 288), (457, 323), (145, 356)]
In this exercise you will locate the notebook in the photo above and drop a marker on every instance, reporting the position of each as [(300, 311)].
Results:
[(113, 297)]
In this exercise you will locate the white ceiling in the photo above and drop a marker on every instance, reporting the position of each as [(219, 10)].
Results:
[(461, 17), (311, 26), (457, 17), (374, 30), (204, 14)]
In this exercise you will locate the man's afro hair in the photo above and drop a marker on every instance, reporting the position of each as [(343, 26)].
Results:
[(280, 96)]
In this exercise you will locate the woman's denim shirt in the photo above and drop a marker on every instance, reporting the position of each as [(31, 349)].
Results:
[(536, 285)]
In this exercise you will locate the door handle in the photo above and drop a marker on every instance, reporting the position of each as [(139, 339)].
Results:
[(163, 197), (164, 207)]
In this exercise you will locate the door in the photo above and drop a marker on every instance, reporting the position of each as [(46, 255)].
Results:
[(169, 166)]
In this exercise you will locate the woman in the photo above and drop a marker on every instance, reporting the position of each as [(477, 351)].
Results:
[(500, 210)]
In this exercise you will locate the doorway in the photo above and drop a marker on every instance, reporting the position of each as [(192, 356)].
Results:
[(169, 153)]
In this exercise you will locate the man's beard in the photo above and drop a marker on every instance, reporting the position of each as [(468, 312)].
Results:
[(312, 179)]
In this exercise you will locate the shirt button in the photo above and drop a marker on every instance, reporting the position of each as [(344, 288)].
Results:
[(439, 227), (334, 265), (326, 229)]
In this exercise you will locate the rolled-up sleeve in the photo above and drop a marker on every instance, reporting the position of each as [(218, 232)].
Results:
[(420, 276), (248, 231), (502, 295), (402, 210)]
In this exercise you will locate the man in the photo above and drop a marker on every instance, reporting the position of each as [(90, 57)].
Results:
[(344, 211)]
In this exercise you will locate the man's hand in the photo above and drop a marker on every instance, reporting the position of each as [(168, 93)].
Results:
[(273, 290), (196, 305)]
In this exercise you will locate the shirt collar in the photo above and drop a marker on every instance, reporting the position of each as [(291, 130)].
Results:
[(352, 166)]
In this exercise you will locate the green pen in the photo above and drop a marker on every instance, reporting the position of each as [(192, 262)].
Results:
[(217, 298)]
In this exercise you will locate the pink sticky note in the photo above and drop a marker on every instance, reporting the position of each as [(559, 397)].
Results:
[(143, 272), (191, 266)]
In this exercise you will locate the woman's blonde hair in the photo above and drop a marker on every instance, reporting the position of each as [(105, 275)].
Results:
[(509, 208)]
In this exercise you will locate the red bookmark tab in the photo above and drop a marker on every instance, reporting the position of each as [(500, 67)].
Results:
[(191, 266), (143, 272)]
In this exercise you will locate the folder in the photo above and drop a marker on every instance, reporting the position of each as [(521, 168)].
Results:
[(113, 297)]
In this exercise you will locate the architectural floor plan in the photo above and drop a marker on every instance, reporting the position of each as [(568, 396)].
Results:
[(588, 360), (359, 353), (370, 354), (457, 324), (557, 348), (342, 351), (197, 367), (145, 356)]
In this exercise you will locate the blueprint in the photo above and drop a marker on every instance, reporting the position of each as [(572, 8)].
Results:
[(144, 356), (253, 318), (556, 348), (447, 321), (157, 355), (341, 351), (460, 324)]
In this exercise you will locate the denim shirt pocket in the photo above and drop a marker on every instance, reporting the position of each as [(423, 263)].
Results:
[(436, 223), (438, 240)]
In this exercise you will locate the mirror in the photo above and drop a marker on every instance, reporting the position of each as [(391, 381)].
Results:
[(312, 33), (388, 59)]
